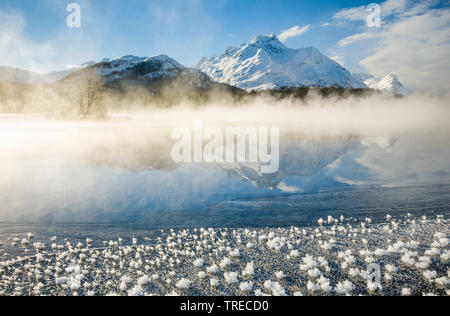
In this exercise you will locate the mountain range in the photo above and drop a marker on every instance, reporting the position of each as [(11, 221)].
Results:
[(17, 75), (264, 63)]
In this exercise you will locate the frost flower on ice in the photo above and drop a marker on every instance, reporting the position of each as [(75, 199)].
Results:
[(430, 275), (199, 263), (406, 291), (212, 269), (183, 284), (344, 288), (214, 282), (275, 287), (231, 277), (312, 287), (443, 281), (225, 263), (280, 275), (391, 269), (246, 286), (249, 269), (144, 280), (235, 253)]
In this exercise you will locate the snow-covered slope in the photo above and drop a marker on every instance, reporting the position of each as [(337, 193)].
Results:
[(266, 63), (389, 84)]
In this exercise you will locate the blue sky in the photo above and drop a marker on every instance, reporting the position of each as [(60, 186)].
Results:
[(184, 29), (34, 34)]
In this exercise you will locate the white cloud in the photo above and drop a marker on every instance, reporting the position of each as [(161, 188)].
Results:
[(15, 48), (339, 59), (357, 37), (388, 8), (414, 43), (352, 14), (293, 32), (418, 49), (19, 49)]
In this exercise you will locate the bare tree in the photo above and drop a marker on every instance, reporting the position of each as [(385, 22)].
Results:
[(85, 88), (93, 89)]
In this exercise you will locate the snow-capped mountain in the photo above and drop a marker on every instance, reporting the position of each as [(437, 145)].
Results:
[(17, 75), (141, 70), (390, 84), (266, 63)]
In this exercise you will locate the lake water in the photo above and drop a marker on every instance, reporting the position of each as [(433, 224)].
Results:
[(118, 176)]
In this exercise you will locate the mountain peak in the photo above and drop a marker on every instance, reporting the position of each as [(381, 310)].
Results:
[(266, 63), (389, 84), (264, 41), (392, 76)]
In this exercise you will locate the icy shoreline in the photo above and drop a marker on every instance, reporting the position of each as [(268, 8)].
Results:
[(338, 257)]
